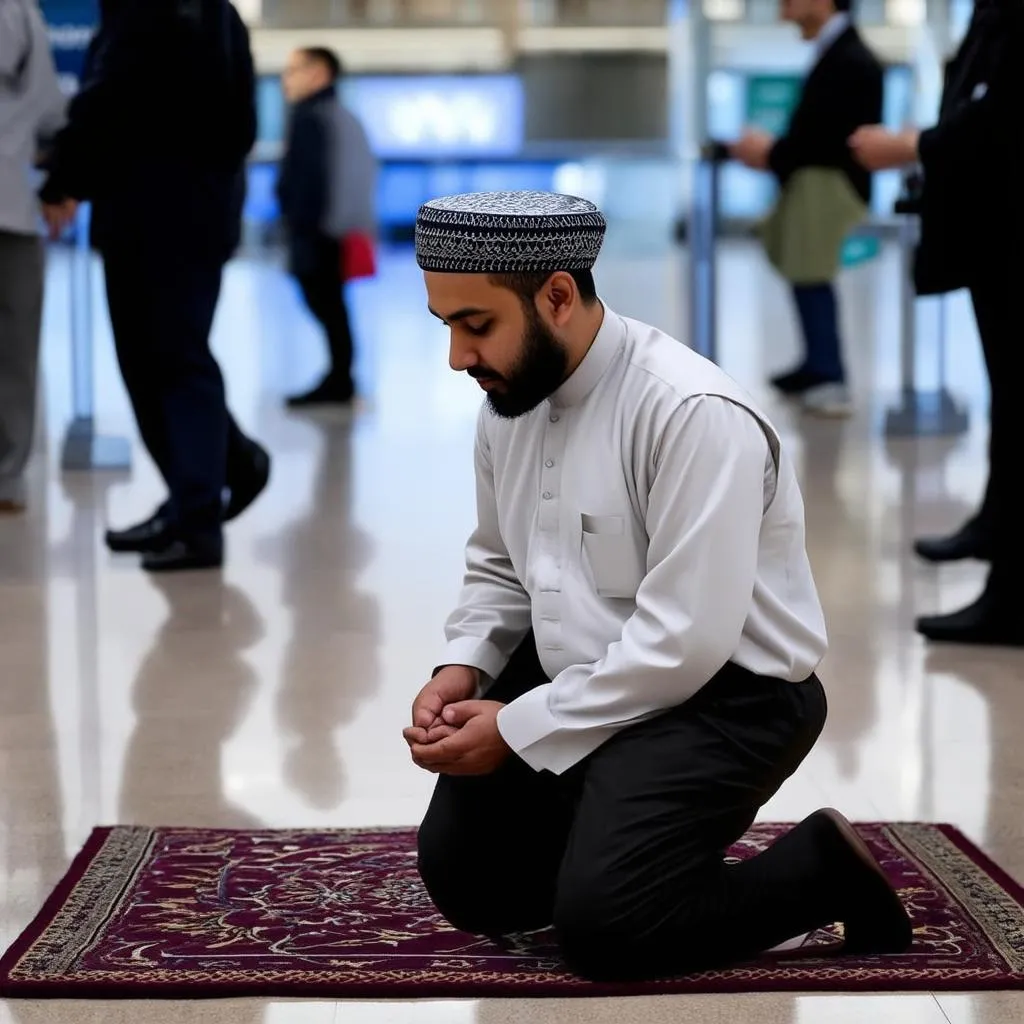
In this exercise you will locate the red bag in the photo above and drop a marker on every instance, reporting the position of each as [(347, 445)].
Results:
[(357, 257)]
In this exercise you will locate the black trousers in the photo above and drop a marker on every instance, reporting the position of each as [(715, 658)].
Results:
[(319, 276), (161, 312), (624, 854), (996, 308)]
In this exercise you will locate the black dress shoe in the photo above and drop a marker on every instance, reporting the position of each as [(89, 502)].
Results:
[(968, 542), (329, 392), (249, 483), (874, 920), (799, 382), (185, 554), (991, 621), (152, 535)]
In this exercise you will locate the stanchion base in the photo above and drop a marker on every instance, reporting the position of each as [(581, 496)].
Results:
[(83, 450), (927, 414)]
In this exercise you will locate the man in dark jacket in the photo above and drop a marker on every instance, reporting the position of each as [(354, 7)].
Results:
[(157, 139), (972, 220), (842, 92), (326, 190)]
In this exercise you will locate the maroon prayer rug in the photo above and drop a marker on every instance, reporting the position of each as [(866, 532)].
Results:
[(192, 913)]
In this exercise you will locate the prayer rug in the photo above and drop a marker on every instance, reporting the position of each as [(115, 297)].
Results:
[(191, 913)]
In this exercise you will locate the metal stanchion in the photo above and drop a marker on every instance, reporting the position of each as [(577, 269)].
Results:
[(703, 233), (934, 413), (83, 449)]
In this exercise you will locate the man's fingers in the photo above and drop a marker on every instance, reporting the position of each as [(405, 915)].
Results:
[(440, 731), (440, 753), (459, 714), (423, 718), (414, 735)]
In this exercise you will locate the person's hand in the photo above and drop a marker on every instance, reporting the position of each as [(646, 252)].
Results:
[(753, 149), (475, 746), (452, 684), (876, 148), (58, 216)]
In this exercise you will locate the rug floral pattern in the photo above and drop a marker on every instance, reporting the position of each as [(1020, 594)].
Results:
[(199, 913)]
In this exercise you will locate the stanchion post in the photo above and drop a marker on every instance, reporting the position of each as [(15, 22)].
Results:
[(83, 449), (703, 232), (920, 413)]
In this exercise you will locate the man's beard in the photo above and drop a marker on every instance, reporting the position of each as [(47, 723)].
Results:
[(537, 374)]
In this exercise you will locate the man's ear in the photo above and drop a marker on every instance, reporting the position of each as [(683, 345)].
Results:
[(559, 298)]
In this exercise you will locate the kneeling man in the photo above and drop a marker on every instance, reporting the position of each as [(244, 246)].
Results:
[(629, 674)]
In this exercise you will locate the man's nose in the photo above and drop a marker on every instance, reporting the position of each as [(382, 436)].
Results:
[(461, 353)]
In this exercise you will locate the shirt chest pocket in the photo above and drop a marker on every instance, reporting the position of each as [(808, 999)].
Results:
[(616, 566)]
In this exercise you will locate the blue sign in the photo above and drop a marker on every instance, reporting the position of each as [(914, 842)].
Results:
[(425, 117), (71, 25)]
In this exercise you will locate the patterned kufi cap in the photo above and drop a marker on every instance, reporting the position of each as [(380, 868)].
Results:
[(508, 232)]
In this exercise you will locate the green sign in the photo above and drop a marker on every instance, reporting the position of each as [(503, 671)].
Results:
[(771, 100), (859, 249)]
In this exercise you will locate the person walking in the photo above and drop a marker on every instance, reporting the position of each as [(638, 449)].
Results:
[(164, 122), (31, 112), (327, 192)]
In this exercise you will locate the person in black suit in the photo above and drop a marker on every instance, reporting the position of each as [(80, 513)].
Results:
[(972, 220), (157, 140), (842, 92)]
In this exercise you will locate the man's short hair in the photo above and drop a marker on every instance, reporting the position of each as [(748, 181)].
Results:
[(327, 59), (843, 6), (527, 284)]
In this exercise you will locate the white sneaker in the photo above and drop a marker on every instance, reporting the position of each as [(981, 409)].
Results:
[(828, 400)]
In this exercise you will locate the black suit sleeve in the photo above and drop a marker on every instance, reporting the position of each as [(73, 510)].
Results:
[(840, 103), (115, 73), (984, 128)]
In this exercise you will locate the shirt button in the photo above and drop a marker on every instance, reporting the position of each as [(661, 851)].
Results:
[(549, 463), (554, 417), (547, 495)]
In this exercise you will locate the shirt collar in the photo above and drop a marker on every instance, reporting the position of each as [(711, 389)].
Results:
[(834, 28), (610, 338)]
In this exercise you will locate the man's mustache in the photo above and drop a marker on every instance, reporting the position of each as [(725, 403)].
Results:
[(480, 373)]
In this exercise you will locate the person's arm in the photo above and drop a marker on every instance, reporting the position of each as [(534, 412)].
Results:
[(704, 521), (823, 141), (14, 38), (493, 614), (119, 66), (53, 113), (982, 125)]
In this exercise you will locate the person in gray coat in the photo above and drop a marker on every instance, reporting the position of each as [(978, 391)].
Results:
[(326, 189), (31, 113)]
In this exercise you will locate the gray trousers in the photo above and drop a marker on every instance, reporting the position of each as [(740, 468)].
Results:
[(22, 268)]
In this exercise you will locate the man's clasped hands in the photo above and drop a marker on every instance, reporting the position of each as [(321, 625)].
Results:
[(451, 733)]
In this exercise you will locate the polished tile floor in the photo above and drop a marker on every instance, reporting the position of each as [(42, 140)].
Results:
[(275, 695)]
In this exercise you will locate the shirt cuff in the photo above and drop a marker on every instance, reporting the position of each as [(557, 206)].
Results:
[(477, 653), (537, 737)]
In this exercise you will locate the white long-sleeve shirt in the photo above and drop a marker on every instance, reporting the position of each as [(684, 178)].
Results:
[(646, 523)]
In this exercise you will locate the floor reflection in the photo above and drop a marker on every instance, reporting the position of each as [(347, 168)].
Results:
[(331, 665), (190, 694), (275, 693)]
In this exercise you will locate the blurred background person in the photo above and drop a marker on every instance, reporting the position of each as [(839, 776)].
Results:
[(31, 111), (972, 219), (157, 139), (824, 191), (327, 190)]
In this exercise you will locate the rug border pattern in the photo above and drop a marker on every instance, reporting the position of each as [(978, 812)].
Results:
[(86, 897)]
